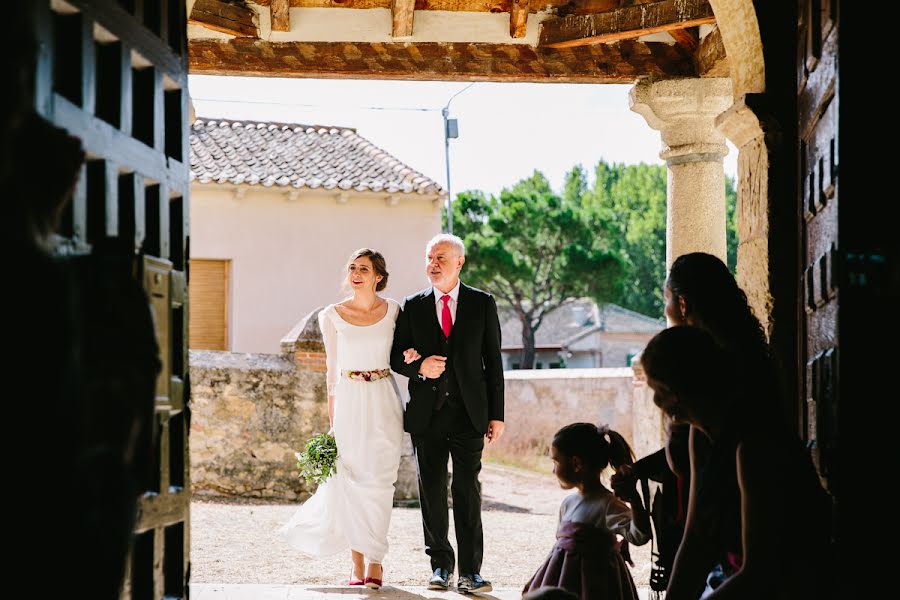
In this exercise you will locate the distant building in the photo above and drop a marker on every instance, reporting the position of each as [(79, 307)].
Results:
[(580, 335), (277, 208)]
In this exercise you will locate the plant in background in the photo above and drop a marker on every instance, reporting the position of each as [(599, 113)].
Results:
[(318, 461)]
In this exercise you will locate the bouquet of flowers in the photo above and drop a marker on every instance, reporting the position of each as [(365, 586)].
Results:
[(318, 460)]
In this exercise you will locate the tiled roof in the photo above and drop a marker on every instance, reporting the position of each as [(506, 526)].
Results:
[(575, 319), (281, 154)]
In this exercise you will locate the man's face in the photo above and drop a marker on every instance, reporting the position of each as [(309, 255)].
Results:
[(442, 265)]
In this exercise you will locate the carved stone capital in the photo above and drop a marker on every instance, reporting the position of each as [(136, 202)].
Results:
[(684, 111)]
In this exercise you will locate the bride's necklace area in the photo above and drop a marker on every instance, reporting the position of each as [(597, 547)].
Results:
[(369, 309)]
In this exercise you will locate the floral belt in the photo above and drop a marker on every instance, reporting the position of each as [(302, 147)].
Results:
[(368, 375)]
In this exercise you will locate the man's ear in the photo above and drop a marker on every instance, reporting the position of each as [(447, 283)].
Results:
[(462, 261), (682, 307)]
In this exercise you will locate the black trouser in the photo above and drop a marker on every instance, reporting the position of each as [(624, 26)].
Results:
[(451, 434)]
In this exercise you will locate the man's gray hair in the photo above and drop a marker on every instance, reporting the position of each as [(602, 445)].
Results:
[(446, 238)]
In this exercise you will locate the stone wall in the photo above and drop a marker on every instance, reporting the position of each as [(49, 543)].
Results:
[(249, 414), (539, 402)]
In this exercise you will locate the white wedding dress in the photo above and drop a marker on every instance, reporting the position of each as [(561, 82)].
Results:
[(352, 509)]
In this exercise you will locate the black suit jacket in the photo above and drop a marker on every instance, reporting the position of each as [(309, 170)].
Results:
[(476, 356)]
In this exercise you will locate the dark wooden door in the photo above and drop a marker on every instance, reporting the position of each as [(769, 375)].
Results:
[(114, 73), (849, 252), (819, 201)]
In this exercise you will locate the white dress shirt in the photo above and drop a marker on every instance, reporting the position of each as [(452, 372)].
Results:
[(439, 304)]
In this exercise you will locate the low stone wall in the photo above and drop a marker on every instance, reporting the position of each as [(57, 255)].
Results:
[(649, 424), (539, 402), (251, 412)]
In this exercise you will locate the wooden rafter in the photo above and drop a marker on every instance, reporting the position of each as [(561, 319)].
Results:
[(710, 56), (402, 12), (281, 15), (689, 38), (518, 18), (625, 23), (492, 6), (624, 62), (234, 19)]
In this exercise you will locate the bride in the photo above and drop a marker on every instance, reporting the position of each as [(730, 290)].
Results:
[(352, 509)]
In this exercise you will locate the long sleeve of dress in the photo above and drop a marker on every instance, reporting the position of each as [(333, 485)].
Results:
[(329, 338), (619, 519)]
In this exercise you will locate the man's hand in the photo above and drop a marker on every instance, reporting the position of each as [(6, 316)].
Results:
[(495, 431), (433, 366)]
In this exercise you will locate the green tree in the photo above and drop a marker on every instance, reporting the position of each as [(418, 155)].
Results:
[(629, 203), (535, 250), (731, 236)]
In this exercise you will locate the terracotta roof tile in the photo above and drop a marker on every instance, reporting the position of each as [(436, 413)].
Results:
[(282, 154)]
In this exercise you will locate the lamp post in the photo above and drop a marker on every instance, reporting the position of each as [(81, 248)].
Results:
[(451, 130)]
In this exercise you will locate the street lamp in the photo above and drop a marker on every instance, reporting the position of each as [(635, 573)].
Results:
[(451, 130)]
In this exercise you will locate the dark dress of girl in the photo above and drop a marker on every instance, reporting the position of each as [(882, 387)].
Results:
[(585, 559)]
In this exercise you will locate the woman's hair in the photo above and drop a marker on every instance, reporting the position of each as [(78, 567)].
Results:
[(595, 446), (719, 306), (687, 360), (378, 264), (717, 303)]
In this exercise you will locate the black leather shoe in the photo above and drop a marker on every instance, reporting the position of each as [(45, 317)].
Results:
[(440, 580), (473, 584)]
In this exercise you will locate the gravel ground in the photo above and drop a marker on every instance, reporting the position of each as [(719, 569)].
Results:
[(235, 541)]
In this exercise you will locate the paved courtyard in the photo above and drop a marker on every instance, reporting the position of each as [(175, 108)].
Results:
[(236, 554)]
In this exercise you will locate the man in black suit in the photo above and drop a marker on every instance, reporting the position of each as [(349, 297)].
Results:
[(456, 400)]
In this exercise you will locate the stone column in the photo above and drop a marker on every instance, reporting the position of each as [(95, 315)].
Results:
[(684, 112), (756, 135)]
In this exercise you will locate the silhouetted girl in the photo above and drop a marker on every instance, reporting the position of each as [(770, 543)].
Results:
[(586, 558)]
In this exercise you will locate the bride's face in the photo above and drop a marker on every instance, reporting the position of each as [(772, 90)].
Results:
[(361, 275)]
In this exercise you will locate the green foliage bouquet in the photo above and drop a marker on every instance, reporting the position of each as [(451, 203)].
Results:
[(318, 460)]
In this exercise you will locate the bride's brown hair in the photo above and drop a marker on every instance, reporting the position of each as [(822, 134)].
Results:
[(378, 264)]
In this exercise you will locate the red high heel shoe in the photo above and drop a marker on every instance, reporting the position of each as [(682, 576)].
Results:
[(373, 583), (355, 580)]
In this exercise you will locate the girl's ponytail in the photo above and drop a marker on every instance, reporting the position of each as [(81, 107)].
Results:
[(620, 453), (596, 445)]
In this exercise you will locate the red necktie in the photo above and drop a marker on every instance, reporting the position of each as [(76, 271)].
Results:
[(446, 319)]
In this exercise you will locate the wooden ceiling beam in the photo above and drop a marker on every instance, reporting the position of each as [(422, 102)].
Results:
[(492, 6), (624, 62), (281, 15), (625, 23), (689, 38), (234, 19), (402, 12), (518, 18), (710, 56)]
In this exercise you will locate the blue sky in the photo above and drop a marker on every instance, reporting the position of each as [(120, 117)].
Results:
[(506, 129)]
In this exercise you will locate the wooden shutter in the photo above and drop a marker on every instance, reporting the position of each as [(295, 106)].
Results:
[(209, 304)]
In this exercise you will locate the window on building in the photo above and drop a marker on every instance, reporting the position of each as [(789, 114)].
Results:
[(209, 304)]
